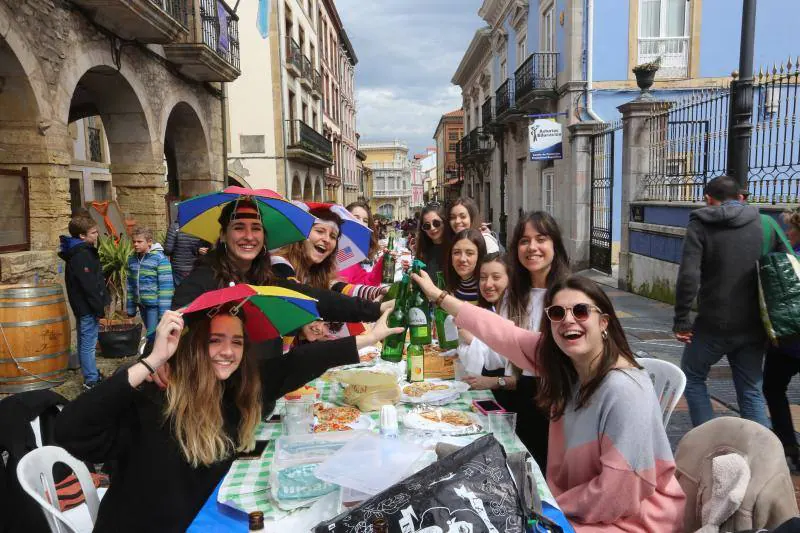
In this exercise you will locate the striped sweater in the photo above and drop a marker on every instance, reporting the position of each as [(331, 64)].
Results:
[(149, 281), (609, 464), (467, 290)]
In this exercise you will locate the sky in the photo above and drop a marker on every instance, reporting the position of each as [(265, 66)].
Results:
[(408, 51)]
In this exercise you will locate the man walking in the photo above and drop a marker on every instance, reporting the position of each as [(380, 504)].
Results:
[(722, 245)]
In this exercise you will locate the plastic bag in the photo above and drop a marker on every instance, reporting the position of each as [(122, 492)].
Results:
[(371, 398)]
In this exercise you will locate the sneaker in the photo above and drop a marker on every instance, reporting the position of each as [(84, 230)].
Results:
[(93, 384)]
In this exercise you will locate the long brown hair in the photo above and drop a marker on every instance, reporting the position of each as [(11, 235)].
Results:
[(519, 285), (195, 395), (424, 243), (306, 271), (471, 207), (373, 240), (260, 271), (475, 237), (557, 374)]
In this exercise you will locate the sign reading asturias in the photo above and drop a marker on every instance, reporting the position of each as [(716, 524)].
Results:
[(544, 138)]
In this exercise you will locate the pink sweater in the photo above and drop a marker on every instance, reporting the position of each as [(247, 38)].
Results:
[(609, 464), (356, 274)]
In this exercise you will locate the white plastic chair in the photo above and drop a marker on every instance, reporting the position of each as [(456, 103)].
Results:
[(35, 474), (668, 381)]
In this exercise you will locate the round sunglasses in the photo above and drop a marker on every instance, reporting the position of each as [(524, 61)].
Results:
[(581, 312), (435, 224)]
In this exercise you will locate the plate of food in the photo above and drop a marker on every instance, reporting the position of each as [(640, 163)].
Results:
[(434, 349), (330, 417), (442, 420), (432, 391)]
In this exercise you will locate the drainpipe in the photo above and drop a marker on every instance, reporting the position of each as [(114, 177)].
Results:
[(590, 58), (224, 105)]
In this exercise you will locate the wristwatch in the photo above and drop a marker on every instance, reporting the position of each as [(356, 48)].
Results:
[(501, 382)]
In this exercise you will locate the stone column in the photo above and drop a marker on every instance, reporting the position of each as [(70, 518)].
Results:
[(576, 227), (635, 166), (140, 193)]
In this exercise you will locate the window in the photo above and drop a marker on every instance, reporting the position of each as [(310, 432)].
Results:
[(251, 144), (452, 147), (503, 68), (75, 194), (453, 136), (95, 137), (102, 190), (664, 33), (522, 49), (14, 217), (547, 191), (548, 31)]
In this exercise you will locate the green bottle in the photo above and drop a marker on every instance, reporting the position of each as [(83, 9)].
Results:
[(415, 363), (388, 263), (393, 344), (419, 311), (446, 331)]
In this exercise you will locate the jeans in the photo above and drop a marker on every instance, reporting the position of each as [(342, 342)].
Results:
[(149, 315), (745, 355), (779, 369), (88, 328)]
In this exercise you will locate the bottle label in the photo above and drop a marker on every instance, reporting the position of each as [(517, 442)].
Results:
[(416, 317), (416, 368), (450, 329), (419, 331)]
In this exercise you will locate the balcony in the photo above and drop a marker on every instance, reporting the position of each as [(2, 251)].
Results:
[(487, 113), (212, 53), (674, 54), (147, 21), (294, 57), (536, 78), (316, 86), (303, 143), (306, 73), (391, 193), (504, 99), (477, 144)]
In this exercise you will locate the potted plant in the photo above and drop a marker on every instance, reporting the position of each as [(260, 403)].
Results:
[(119, 335), (646, 74)]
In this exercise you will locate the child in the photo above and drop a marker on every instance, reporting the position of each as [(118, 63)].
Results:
[(150, 284), (86, 290)]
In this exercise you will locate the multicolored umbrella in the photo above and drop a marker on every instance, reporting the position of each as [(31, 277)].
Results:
[(284, 221), (269, 312), (354, 238)]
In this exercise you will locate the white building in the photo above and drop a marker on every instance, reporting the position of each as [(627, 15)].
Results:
[(391, 181)]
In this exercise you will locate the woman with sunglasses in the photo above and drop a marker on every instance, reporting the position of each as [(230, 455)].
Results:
[(610, 465), (464, 214), (539, 259), (433, 239)]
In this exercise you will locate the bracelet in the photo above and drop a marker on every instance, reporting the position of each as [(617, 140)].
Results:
[(148, 366), (440, 298)]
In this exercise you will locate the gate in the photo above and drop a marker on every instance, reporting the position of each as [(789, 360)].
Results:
[(602, 182)]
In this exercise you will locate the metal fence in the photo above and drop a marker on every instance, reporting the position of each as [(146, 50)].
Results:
[(689, 142), (220, 30)]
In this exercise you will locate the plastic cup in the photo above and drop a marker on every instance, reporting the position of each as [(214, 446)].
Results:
[(298, 418), (502, 425)]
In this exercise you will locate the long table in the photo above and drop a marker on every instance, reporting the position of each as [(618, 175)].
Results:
[(246, 487)]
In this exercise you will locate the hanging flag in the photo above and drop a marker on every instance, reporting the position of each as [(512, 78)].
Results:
[(223, 42), (262, 19)]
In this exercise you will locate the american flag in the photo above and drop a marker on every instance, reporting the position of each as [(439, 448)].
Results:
[(344, 254)]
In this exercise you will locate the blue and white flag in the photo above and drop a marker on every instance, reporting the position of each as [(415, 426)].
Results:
[(262, 19)]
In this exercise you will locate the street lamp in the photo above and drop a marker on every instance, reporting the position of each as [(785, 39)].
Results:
[(740, 126)]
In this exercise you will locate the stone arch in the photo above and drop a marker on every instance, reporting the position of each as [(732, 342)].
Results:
[(308, 190), (297, 189), (187, 153), (318, 190)]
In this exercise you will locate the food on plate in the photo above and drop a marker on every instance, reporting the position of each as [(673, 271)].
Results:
[(339, 415), (448, 416), (305, 391), (368, 356), (323, 427), (415, 390), (431, 349)]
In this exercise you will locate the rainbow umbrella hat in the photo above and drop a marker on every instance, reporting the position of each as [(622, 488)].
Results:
[(284, 222), (354, 237), (269, 312)]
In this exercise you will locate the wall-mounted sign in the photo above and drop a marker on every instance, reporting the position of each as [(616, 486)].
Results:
[(544, 138)]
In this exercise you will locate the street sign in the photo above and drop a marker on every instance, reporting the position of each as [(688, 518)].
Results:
[(544, 138)]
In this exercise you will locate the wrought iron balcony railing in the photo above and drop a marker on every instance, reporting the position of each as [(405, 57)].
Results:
[(504, 97), (221, 30), (306, 71), (174, 8), (303, 136), (294, 57), (317, 84), (487, 113), (537, 72)]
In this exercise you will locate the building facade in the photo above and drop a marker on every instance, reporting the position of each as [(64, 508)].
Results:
[(391, 178), (416, 183), (150, 71), (449, 175), (428, 170)]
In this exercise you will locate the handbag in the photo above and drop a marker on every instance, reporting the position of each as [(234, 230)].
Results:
[(778, 286)]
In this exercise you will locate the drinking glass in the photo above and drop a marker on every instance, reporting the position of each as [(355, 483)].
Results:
[(503, 426), (299, 417)]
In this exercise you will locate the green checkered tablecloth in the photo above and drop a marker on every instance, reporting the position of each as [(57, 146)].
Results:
[(246, 487)]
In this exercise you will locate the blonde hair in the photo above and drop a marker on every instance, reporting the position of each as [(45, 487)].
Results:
[(321, 275), (792, 217), (195, 397)]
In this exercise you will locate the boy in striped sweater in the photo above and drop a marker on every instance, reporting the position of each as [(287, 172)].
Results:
[(150, 284)]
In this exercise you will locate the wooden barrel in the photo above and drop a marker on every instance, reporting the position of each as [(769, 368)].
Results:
[(34, 337)]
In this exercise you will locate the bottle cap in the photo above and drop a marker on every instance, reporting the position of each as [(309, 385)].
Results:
[(389, 421)]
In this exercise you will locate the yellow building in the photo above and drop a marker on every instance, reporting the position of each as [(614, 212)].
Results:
[(391, 178)]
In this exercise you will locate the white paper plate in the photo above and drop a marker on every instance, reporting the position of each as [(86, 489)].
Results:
[(413, 420), (451, 394), (363, 422)]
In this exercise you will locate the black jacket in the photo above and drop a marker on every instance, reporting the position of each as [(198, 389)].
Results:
[(154, 487), (720, 251), (182, 249), (86, 287)]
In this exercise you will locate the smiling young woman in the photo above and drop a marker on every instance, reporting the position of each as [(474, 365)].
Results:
[(466, 251), (433, 239), (610, 464)]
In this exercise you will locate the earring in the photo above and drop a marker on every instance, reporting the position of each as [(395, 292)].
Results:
[(604, 334)]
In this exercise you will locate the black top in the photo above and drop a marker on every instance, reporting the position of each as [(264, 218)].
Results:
[(86, 287), (154, 488), (182, 249), (434, 258)]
